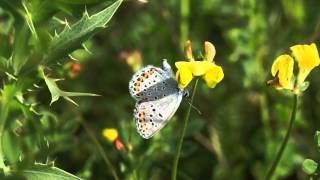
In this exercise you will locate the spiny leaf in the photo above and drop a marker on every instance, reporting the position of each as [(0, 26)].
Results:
[(48, 172), (73, 36), (56, 92)]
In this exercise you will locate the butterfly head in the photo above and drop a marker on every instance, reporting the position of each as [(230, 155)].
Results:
[(186, 93)]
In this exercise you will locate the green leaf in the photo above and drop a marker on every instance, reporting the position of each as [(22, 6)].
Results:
[(56, 92), (11, 147), (309, 166), (48, 172), (20, 51), (73, 36)]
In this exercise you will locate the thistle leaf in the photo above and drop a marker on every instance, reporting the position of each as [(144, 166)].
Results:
[(73, 36), (56, 92)]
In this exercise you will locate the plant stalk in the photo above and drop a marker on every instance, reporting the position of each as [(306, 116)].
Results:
[(182, 133), (4, 111), (100, 149), (285, 141), (184, 21), (3, 118)]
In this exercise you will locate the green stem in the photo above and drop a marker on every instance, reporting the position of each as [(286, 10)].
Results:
[(182, 132), (286, 139), (3, 118), (184, 22), (100, 149)]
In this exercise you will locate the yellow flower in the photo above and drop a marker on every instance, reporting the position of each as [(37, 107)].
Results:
[(183, 75), (213, 76), (110, 134), (307, 57), (282, 69), (206, 68)]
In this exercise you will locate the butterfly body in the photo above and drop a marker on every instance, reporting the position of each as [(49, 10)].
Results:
[(158, 98)]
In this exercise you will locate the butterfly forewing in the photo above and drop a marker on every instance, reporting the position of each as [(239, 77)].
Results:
[(148, 83), (151, 116)]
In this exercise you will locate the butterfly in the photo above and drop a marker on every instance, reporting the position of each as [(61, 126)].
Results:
[(158, 98)]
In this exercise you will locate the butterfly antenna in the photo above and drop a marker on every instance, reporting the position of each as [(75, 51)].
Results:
[(199, 112)]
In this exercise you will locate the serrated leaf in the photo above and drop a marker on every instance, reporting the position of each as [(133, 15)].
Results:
[(56, 92), (48, 172), (73, 36), (309, 166)]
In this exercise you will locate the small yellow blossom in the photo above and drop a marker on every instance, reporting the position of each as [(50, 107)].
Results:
[(209, 51), (213, 76), (206, 68), (282, 70), (110, 134), (307, 57), (183, 75)]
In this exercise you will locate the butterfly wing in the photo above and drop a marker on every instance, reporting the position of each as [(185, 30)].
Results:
[(148, 82), (151, 116)]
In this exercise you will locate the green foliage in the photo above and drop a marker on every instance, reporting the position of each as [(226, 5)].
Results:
[(26, 125), (309, 166), (73, 36), (47, 171), (56, 93)]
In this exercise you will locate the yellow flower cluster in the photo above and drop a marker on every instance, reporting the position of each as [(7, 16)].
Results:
[(210, 72), (307, 57)]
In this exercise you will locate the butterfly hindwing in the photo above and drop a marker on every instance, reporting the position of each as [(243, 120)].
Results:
[(151, 116)]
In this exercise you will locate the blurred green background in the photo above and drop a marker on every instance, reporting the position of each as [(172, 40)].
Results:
[(242, 121)]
